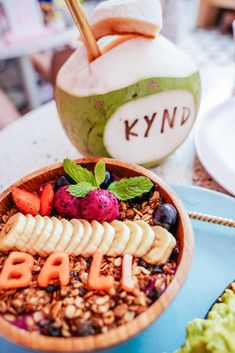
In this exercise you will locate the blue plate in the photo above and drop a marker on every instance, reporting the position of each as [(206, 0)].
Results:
[(212, 270)]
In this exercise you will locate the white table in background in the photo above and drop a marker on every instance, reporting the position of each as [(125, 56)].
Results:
[(38, 139)]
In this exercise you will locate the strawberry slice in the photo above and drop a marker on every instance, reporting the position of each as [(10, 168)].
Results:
[(46, 200), (26, 202)]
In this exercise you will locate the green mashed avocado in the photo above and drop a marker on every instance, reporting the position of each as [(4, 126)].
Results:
[(216, 334)]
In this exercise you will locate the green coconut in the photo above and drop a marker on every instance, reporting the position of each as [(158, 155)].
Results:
[(137, 102)]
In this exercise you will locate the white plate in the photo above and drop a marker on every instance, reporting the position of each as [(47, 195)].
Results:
[(215, 144)]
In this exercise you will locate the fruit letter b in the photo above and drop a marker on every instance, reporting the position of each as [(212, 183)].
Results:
[(17, 271), (56, 266)]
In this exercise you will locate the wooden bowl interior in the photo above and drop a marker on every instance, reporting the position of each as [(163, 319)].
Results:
[(103, 341)]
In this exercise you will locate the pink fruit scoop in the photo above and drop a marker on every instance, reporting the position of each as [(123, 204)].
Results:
[(100, 205), (67, 205)]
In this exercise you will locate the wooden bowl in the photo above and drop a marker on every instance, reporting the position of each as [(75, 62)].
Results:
[(122, 333)]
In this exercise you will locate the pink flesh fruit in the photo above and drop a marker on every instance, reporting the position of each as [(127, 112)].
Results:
[(67, 205), (100, 205)]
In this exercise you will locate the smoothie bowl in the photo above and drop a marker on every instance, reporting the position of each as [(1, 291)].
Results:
[(92, 252)]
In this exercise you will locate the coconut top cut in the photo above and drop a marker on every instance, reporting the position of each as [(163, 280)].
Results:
[(142, 17), (131, 61)]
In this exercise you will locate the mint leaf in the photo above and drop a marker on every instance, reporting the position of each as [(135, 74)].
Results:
[(81, 189), (77, 172), (126, 189), (99, 172)]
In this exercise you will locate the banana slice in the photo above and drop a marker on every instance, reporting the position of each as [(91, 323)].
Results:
[(27, 233), (147, 239), (107, 239), (162, 248), (44, 236), (12, 231), (78, 232), (39, 225), (65, 237), (136, 234), (121, 238), (95, 240), (54, 238), (86, 237)]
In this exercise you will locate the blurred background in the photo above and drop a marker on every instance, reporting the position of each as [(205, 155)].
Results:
[(37, 36)]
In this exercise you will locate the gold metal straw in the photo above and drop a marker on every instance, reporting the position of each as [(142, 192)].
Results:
[(82, 23), (212, 219)]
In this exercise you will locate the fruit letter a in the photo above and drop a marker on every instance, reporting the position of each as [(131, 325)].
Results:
[(56, 266), (17, 271)]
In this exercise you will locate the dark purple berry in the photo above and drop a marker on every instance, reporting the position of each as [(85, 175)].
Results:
[(62, 181), (175, 253), (54, 331), (85, 329), (155, 293), (165, 215), (151, 291), (143, 263), (82, 291), (109, 179)]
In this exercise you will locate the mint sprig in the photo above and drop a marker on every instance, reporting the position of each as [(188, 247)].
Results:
[(78, 173), (99, 172), (126, 189), (81, 189)]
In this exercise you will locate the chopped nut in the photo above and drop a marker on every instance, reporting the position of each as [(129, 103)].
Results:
[(137, 212), (68, 301), (37, 316), (78, 302), (129, 315), (120, 310), (9, 317), (102, 300), (70, 311), (65, 333), (55, 309), (118, 261), (3, 306)]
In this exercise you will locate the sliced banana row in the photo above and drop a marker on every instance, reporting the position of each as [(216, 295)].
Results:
[(44, 235)]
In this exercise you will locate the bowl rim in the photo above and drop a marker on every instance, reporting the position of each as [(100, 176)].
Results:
[(122, 333)]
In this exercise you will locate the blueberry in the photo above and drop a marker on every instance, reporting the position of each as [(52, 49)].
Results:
[(141, 199), (107, 181), (51, 289), (156, 269), (54, 331), (62, 181), (165, 215)]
